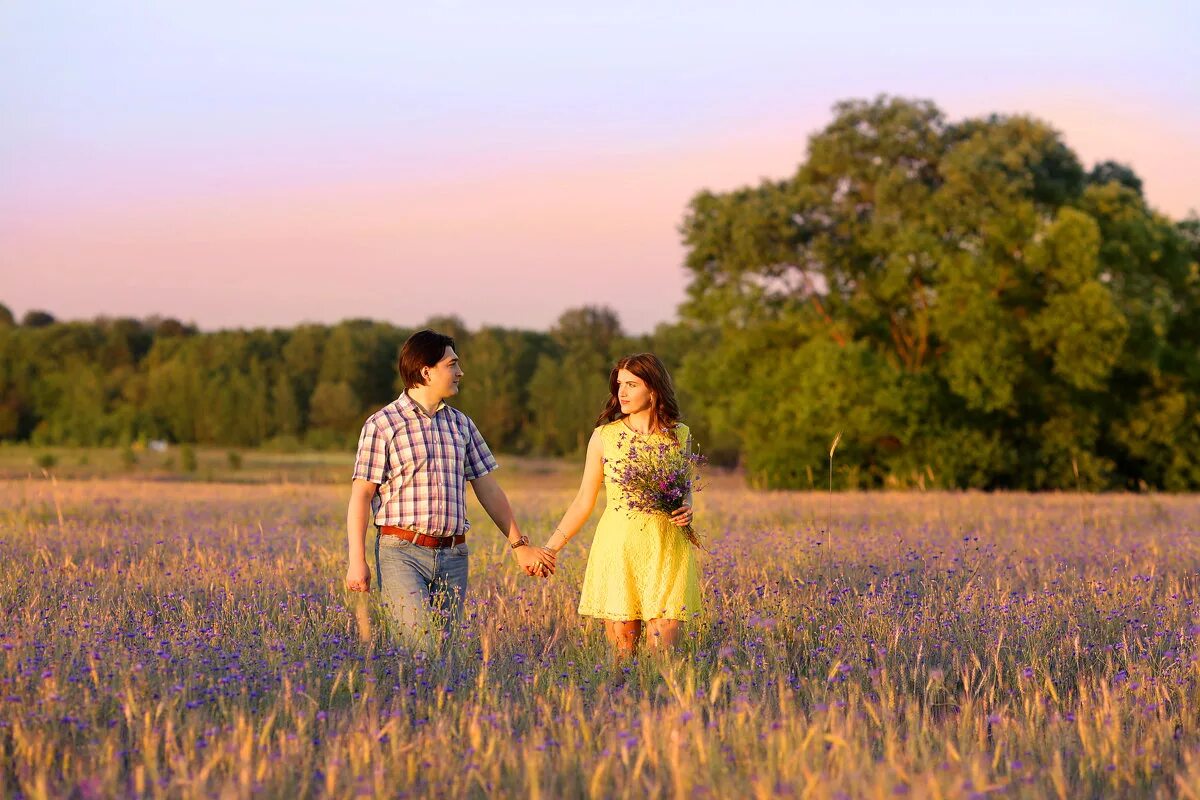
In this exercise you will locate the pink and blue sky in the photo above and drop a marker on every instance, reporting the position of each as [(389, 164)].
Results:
[(267, 163)]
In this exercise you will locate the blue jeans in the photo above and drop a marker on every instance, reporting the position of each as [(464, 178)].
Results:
[(423, 587)]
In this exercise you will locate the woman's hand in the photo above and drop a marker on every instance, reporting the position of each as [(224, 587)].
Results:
[(682, 516), (540, 569), (536, 560)]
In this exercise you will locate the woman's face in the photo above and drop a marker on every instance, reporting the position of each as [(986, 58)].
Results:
[(633, 393)]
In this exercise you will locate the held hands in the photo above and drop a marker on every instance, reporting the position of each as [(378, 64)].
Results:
[(682, 516), (541, 570), (538, 561)]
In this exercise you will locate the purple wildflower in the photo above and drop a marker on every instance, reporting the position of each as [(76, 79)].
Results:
[(656, 478)]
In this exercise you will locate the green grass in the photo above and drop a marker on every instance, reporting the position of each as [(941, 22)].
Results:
[(215, 464)]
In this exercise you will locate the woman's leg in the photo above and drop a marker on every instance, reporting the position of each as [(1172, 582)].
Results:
[(663, 634), (623, 635)]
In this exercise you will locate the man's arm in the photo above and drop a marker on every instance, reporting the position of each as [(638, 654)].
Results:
[(496, 504), (358, 577)]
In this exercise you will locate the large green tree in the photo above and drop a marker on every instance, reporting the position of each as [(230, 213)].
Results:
[(959, 298)]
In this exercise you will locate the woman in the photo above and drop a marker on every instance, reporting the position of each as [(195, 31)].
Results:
[(641, 573)]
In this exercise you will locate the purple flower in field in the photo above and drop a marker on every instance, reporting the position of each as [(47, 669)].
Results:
[(88, 789), (656, 478)]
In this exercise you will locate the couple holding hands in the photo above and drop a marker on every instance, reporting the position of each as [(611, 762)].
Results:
[(416, 455)]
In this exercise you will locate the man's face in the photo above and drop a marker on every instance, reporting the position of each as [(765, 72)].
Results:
[(443, 377)]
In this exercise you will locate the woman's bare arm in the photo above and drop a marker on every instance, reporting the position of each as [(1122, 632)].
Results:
[(585, 499)]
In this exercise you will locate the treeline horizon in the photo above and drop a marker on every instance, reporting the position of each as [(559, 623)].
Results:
[(962, 300), (123, 379)]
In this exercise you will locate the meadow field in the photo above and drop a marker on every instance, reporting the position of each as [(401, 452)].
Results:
[(176, 638)]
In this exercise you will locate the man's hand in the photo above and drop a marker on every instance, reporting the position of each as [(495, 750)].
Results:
[(535, 560), (358, 577)]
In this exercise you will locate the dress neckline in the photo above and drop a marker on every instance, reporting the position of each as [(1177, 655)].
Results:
[(645, 435), (631, 430)]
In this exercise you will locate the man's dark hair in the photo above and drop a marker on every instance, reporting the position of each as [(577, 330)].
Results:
[(424, 348)]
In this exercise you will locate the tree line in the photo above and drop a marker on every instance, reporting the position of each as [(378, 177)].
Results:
[(964, 301), (113, 381)]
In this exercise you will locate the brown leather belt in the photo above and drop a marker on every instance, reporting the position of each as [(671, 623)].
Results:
[(420, 539)]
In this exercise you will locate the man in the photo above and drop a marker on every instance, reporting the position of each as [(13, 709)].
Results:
[(414, 457)]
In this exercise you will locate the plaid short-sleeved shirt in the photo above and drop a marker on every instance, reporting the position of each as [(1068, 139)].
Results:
[(421, 463)]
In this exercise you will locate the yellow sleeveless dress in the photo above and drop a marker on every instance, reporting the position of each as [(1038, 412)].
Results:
[(640, 566)]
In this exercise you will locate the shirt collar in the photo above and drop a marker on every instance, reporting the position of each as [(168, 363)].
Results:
[(406, 403)]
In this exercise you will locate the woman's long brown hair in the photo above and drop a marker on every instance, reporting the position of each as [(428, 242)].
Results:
[(664, 413)]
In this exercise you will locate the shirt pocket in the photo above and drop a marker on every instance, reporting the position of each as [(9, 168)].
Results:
[(460, 445)]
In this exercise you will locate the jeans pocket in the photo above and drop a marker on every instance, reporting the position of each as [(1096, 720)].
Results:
[(393, 542), (460, 549)]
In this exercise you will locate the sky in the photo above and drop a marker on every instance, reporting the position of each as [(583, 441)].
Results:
[(265, 163)]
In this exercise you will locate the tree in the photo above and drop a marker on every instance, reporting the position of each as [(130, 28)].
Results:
[(168, 326), (451, 325), (334, 408), (285, 408), (37, 319), (572, 379), (588, 329), (495, 384), (343, 359), (303, 352), (242, 410), (986, 298), (565, 395), (1111, 171)]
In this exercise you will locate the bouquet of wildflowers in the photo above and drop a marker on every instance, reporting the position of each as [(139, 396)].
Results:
[(657, 477)]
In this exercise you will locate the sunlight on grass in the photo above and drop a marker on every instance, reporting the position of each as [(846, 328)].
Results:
[(184, 639)]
